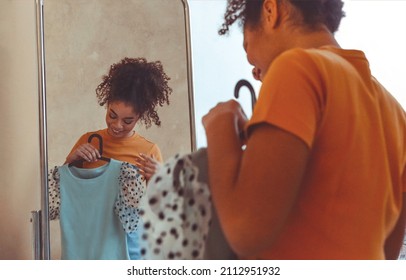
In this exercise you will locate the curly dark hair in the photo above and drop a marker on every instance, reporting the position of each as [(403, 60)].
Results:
[(139, 83), (314, 12)]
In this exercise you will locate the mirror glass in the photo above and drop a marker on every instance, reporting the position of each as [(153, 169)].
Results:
[(215, 78), (82, 39)]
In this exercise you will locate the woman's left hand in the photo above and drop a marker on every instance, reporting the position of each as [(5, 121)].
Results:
[(148, 165)]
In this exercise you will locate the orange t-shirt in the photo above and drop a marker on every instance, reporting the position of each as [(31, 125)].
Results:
[(123, 149), (351, 194)]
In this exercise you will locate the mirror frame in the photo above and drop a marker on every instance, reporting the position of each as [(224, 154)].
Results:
[(40, 218)]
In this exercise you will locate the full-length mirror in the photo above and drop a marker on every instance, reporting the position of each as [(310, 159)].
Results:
[(82, 39)]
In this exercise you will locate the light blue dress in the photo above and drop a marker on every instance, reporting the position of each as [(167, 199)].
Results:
[(97, 209)]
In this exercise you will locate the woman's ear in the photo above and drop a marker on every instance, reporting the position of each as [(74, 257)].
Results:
[(271, 13)]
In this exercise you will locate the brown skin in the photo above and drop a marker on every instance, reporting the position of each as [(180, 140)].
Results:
[(235, 177)]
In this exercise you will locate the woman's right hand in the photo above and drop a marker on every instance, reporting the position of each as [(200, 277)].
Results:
[(85, 152), (229, 113)]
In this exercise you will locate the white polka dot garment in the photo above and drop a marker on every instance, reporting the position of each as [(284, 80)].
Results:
[(175, 212)]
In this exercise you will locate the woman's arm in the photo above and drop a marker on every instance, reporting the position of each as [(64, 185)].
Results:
[(253, 190)]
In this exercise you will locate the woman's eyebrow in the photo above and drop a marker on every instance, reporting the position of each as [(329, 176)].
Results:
[(126, 118)]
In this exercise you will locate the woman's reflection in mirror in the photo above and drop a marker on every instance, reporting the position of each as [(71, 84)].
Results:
[(131, 92)]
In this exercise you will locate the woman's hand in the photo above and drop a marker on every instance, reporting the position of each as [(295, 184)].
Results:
[(85, 152), (148, 165), (225, 114)]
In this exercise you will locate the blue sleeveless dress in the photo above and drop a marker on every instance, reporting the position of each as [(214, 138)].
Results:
[(98, 210)]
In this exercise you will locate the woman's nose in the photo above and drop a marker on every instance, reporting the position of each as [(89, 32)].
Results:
[(256, 73), (117, 124)]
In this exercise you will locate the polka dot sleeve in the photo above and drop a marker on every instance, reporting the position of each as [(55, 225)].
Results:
[(132, 188), (175, 212), (54, 193)]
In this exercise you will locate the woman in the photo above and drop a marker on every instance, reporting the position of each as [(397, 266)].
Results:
[(323, 174), (131, 92)]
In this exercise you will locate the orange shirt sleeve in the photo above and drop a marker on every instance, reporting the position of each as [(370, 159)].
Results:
[(290, 97), (156, 153)]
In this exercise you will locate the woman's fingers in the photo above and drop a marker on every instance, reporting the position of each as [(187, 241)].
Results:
[(88, 152), (147, 165)]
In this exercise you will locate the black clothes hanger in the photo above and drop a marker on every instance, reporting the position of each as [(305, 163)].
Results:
[(242, 83), (237, 88), (89, 140)]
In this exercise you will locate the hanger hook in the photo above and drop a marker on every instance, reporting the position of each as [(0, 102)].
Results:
[(242, 83), (100, 141)]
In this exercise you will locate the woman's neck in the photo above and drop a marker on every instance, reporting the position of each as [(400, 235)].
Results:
[(314, 39)]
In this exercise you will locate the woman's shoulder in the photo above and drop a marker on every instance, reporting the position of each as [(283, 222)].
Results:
[(102, 132), (297, 56), (308, 54), (143, 140), (302, 61), (148, 146)]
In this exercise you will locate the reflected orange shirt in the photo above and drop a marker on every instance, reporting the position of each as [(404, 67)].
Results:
[(123, 149)]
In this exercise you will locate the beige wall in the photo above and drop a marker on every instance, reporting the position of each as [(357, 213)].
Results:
[(19, 142), (81, 41)]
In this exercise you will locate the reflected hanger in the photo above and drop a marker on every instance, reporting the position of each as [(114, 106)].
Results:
[(89, 140), (242, 83)]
